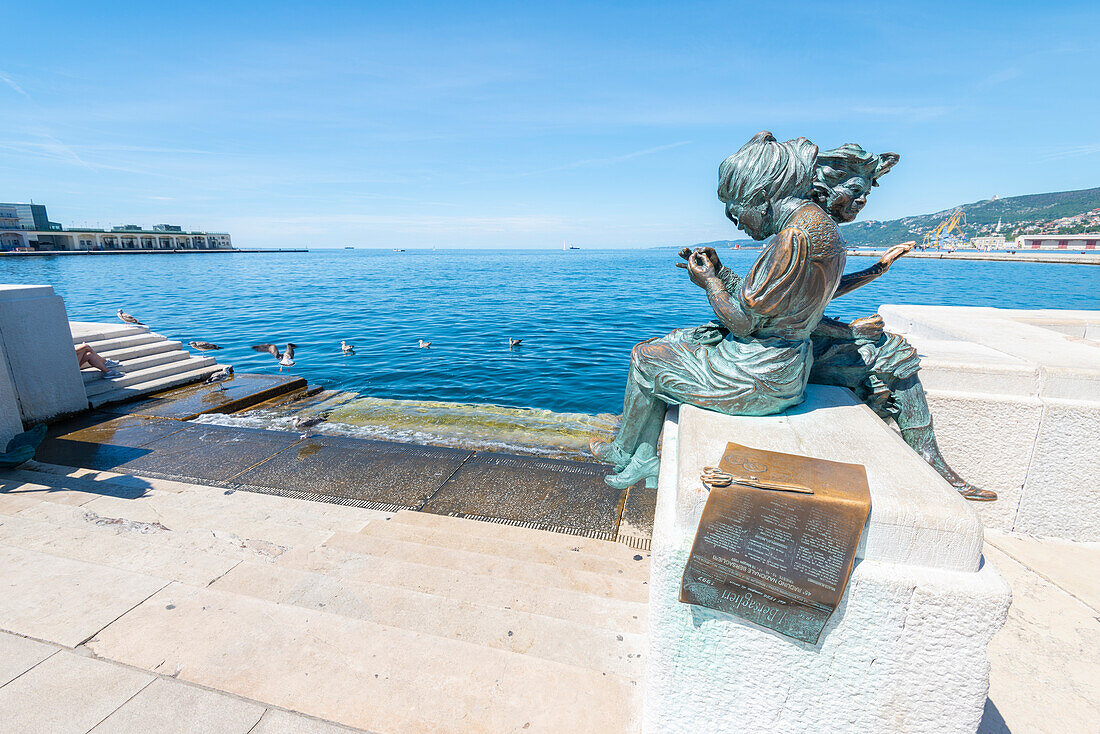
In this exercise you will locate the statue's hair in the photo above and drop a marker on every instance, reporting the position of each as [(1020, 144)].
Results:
[(839, 164), (780, 170)]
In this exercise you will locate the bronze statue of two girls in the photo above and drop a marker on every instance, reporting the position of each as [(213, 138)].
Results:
[(771, 337)]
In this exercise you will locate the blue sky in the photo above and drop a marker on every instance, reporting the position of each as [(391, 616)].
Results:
[(524, 125)]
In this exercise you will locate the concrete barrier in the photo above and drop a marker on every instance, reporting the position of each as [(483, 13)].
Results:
[(905, 651), (1015, 398), (42, 381)]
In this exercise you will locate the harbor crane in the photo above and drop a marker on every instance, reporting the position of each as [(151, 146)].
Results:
[(952, 224)]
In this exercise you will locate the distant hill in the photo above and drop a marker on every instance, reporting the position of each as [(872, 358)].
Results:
[(1064, 212)]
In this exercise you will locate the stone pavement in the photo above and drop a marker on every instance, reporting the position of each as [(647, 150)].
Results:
[(181, 607), (51, 689), (125, 600), (1045, 661)]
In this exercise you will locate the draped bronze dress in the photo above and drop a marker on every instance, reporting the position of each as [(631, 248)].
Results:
[(765, 369)]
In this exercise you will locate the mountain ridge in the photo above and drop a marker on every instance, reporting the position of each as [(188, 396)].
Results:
[(1057, 212)]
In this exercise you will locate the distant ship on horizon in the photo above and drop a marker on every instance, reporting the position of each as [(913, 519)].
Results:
[(569, 247)]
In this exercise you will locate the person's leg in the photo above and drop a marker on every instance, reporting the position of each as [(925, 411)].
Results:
[(634, 449), (915, 421), (87, 355)]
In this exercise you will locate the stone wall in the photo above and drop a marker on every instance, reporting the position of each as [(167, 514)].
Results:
[(1015, 398), (41, 380)]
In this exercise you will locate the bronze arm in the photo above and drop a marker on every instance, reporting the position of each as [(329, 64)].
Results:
[(851, 281), (727, 309)]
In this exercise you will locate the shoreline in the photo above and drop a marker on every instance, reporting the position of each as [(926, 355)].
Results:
[(1031, 257), (49, 253)]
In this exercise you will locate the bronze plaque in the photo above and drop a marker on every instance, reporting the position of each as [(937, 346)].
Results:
[(778, 557)]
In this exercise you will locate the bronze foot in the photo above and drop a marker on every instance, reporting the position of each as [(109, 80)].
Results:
[(636, 471), (608, 453), (970, 492)]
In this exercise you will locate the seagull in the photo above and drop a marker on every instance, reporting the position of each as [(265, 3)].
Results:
[(424, 344), (128, 318), (222, 375), (513, 343), (203, 347), (286, 357), (347, 348), (304, 424)]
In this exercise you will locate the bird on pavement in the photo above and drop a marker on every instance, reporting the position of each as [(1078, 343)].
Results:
[(347, 348), (222, 375), (304, 424), (513, 343), (203, 347), (285, 357), (127, 318), (424, 345)]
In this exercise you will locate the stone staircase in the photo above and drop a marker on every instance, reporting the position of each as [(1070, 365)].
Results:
[(391, 622), (150, 362)]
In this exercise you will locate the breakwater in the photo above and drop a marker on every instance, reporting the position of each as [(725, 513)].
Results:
[(1068, 258), (52, 253)]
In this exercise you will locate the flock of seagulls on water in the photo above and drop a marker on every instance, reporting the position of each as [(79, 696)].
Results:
[(285, 358)]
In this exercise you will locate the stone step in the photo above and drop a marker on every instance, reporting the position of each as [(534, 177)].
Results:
[(117, 545), (518, 534), (598, 584), (360, 673), (538, 546), (504, 628), (463, 584), (185, 507), (144, 388), (90, 333), (124, 342), (206, 522), (141, 350), (148, 374), (90, 374)]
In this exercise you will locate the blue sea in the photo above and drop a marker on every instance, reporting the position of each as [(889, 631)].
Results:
[(578, 312)]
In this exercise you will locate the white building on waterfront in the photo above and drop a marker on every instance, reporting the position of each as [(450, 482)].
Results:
[(1086, 241), (991, 242), (26, 227)]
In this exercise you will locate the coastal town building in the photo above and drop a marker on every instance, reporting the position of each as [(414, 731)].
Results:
[(993, 242), (27, 227), (1087, 241)]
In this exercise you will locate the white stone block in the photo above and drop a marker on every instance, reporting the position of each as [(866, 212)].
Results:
[(916, 517), (38, 350), (1062, 492), (11, 422), (906, 649), (993, 376), (989, 440)]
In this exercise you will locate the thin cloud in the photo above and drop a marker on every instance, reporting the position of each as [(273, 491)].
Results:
[(11, 83), (1072, 151), (584, 163)]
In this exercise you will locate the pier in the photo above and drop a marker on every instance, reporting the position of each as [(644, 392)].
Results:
[(1048, 256), (161, 568)]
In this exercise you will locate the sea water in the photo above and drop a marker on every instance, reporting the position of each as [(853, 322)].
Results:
[(578, 312)]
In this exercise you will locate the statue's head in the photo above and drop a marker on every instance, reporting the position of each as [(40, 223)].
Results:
[(844, 176), (765, 179)]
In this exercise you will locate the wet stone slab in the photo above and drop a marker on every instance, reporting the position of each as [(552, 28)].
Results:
[(637, 517), (404, 475), (543, 492), (208, 453), (102, 441), (186, 403)]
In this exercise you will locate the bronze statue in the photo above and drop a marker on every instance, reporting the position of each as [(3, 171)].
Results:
[(770, 338)]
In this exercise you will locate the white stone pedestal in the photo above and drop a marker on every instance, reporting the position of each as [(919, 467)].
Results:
[(1015, 398), (906, 649), (42, 377)]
